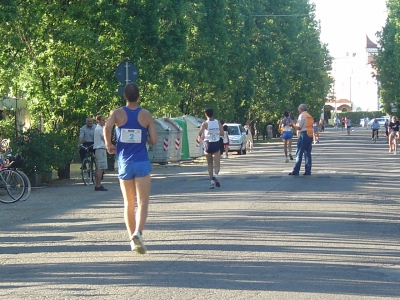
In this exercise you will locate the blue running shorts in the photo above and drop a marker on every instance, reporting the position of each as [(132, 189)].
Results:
[(287, 135), (134, 170), (211, 147)]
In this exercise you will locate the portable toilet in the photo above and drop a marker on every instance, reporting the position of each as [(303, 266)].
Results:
[(159, 153), (195, 145), (184, 139), (175, 140)]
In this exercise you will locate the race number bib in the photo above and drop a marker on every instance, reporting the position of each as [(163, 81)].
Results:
[(132, 136), (214, 138)]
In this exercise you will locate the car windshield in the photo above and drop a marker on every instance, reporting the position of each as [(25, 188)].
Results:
[(233, 130)]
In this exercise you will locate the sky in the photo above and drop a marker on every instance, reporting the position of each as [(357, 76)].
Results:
[(345, 23)]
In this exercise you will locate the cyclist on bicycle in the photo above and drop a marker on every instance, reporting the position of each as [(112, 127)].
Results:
[(375, 128), (393, 130), (86, 137)]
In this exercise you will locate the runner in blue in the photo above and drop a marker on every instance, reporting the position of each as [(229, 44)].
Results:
[(135, 127), (287, 135)]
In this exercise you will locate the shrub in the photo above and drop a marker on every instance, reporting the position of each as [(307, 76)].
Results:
[(43, 152)]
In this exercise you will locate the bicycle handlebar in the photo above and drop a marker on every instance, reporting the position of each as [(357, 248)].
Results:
[(86, 148)]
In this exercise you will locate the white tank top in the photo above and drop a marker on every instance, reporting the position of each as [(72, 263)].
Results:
[(285, 124), (211, 134)]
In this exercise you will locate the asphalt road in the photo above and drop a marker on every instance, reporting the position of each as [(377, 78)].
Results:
[(261, 235)]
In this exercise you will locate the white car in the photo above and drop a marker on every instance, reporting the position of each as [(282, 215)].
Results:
[(237, 138), (381, 121)]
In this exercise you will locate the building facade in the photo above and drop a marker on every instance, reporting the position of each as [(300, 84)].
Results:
[(354, 87)]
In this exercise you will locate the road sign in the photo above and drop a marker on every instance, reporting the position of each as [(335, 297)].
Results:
[(126, 72)]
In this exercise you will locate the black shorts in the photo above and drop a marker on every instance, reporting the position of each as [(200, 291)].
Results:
[(212, 147)]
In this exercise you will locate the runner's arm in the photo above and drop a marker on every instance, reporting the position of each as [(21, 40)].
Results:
[(152, 132), (202, 128), (221, 129)]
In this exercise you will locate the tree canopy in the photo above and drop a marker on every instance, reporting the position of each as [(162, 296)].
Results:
[(247, 59), (388, 75)]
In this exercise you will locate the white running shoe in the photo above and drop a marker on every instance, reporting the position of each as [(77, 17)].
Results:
[(137, 243), (212, 185), (287, 160), (216, 181)]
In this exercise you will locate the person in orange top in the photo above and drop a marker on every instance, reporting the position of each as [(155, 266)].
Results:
[(304, 127)]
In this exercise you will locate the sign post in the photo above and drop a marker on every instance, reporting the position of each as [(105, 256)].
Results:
[(126, 72)]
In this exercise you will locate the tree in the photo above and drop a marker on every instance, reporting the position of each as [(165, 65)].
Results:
[(61, 56), (388, 75)]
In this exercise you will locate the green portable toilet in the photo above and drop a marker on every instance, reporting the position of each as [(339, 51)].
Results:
[(184, 141)]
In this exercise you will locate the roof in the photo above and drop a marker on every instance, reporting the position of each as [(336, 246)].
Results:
[(370, 44)]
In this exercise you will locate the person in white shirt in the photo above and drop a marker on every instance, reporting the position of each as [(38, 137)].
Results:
[(100, 152), (211, 131), (348, 124)]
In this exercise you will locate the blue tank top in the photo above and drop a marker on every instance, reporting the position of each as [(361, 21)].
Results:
[(131, 139)]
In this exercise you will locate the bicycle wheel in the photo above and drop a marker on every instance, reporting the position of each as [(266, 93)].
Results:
[(14, 184), (87, 171), (28, 188), (93, 167), (4, 196)]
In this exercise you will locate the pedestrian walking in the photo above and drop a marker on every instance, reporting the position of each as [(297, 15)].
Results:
[(225, 139), (249, 138), (304, 126), (348, 124), (315, 131), (100, 153)]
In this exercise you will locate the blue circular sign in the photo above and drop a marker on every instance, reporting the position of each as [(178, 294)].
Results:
[(126, 72)]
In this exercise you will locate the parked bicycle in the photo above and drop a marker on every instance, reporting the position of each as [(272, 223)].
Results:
[(13, 181), (88, 166)]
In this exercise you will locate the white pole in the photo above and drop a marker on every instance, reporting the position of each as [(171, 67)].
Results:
[(126, 73)]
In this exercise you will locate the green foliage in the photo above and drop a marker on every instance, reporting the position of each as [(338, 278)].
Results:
[(43, 152), (7, 128), (62, 55), (388, 74)]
